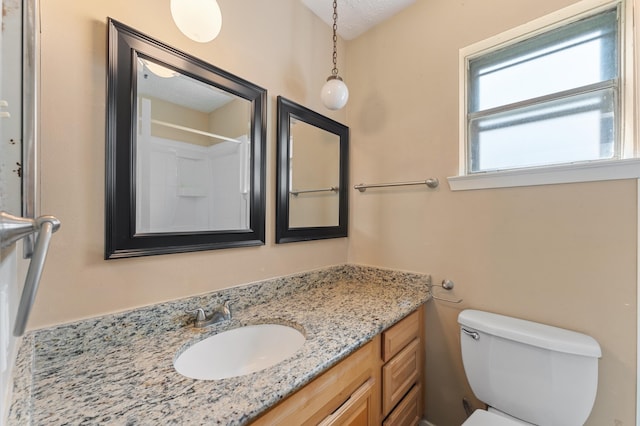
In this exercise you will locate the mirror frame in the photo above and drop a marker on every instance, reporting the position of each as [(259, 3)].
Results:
[(125, 45), (284, 233)]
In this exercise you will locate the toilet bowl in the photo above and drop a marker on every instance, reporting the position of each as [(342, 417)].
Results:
[(527, 373)]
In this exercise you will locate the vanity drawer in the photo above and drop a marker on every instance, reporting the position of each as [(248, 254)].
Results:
[(399, 375), (398, 336), (408, 410), (356, 411)]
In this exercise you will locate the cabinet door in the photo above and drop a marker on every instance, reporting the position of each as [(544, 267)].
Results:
[(356, 411)]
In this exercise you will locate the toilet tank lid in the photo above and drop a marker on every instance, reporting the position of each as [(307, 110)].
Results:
[(531, 333)]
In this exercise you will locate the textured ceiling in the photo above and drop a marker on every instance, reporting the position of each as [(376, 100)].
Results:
[(356, 16), (179, 89)]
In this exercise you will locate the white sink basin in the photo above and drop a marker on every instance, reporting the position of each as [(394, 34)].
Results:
[(239, 351)]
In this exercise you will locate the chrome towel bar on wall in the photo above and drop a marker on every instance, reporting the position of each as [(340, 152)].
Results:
[(13, 229), (308, 191), (431, 183)]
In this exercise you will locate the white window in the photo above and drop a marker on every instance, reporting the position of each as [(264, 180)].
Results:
[(549, 97)]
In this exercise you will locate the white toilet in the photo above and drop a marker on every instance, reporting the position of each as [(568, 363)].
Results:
[(527, 373)]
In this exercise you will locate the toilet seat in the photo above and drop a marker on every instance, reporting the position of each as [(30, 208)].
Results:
[(486, 418)]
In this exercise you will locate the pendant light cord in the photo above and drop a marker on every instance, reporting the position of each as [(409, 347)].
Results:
[(334, 92), (334, 71)]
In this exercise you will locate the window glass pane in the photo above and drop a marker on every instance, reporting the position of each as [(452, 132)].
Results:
[(579, 128), (572, 56)]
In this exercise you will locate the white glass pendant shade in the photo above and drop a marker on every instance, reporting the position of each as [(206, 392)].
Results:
[(334, 93), (200, 20)]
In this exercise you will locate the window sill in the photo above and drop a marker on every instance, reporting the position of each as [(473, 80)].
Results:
[(550, 175)]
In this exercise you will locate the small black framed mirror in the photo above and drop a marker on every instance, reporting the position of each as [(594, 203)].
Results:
[(185, 160), (312, 175)]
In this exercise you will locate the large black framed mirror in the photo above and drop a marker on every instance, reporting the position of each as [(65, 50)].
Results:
[(312, 175), (185, 160)]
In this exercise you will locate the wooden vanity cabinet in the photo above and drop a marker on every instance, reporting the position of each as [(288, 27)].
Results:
[(347, 394), (379, 384), (403, 358)]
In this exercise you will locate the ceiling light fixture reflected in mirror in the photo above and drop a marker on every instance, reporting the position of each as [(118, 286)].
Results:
[(334, 93), (157, 69), (200, 20)]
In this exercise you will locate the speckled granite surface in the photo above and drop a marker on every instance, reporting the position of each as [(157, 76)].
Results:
[(118, 369)]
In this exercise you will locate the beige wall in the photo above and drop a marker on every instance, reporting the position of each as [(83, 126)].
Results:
[(232, 120), (277, 44), (176, 114), (561, 254)]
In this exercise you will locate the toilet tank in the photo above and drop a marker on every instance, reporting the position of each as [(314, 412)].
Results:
[(537, 373)]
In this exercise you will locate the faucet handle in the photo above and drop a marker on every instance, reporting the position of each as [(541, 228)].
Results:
[(199, 313), (226, 309)]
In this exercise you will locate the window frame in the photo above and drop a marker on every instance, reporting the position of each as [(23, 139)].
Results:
[(627, 165)]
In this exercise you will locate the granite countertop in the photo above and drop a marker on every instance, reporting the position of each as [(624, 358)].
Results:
[(118, 369)]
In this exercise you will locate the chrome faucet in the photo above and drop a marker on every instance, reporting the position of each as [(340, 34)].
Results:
[(220, 313)]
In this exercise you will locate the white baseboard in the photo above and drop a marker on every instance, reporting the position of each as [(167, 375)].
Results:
[(423, 422)]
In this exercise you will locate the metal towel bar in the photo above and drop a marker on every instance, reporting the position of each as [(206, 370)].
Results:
[(14, 228), (431, 183), (307, 191)]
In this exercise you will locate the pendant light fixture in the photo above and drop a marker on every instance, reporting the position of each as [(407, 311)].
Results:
[(200, 20), (334, 93)]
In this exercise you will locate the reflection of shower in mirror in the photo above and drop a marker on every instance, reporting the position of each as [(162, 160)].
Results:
[(191, 184)]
